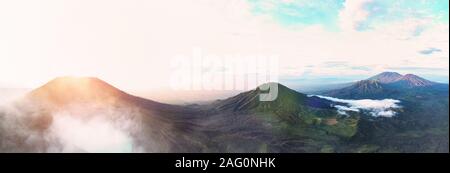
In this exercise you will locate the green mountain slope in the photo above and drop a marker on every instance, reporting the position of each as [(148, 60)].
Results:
[(286, 106), (294, 115)]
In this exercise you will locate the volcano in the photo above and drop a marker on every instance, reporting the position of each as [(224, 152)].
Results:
[(155, 127), (390, 85), (66, 90)]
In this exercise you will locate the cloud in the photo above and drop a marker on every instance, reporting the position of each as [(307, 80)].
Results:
[(77, 128), (430, 51), (93, 135), (376, 108), (353, 14)]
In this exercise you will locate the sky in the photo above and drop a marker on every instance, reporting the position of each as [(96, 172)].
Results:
[(131, 43)]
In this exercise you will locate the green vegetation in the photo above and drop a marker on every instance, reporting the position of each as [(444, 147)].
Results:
[(420, 126)]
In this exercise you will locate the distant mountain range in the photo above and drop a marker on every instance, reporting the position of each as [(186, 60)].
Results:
[(294, 122), (408, 80), (389, 84)]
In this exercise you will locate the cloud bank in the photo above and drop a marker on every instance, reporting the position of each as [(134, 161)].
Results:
[(376, 108), (93, 135), (24, 127)]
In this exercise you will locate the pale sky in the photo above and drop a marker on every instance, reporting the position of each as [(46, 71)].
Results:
[(129, 43)]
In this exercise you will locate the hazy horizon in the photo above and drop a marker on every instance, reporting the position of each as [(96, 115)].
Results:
[(184, 97), (198, 95), (288, 81)]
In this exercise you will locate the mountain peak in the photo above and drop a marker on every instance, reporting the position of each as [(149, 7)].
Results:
[(386, 77), (390, 73), (249, 100), (410, 76), (414, 80), (63, 90), (70, 81), (266, 86)]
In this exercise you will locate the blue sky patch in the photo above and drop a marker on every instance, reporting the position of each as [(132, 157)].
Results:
[(326, 13)]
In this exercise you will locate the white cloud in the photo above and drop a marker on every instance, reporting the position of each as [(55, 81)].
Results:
[(93, 135), (377, 108), (353, 14), (75, 128)]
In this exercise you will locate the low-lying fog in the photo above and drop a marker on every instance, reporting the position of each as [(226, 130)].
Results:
[(79, 128), (376, 108)]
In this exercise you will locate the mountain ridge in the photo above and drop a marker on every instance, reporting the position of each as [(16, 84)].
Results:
[(386, 77), (388, 84), (64, 91), (294, 122)]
